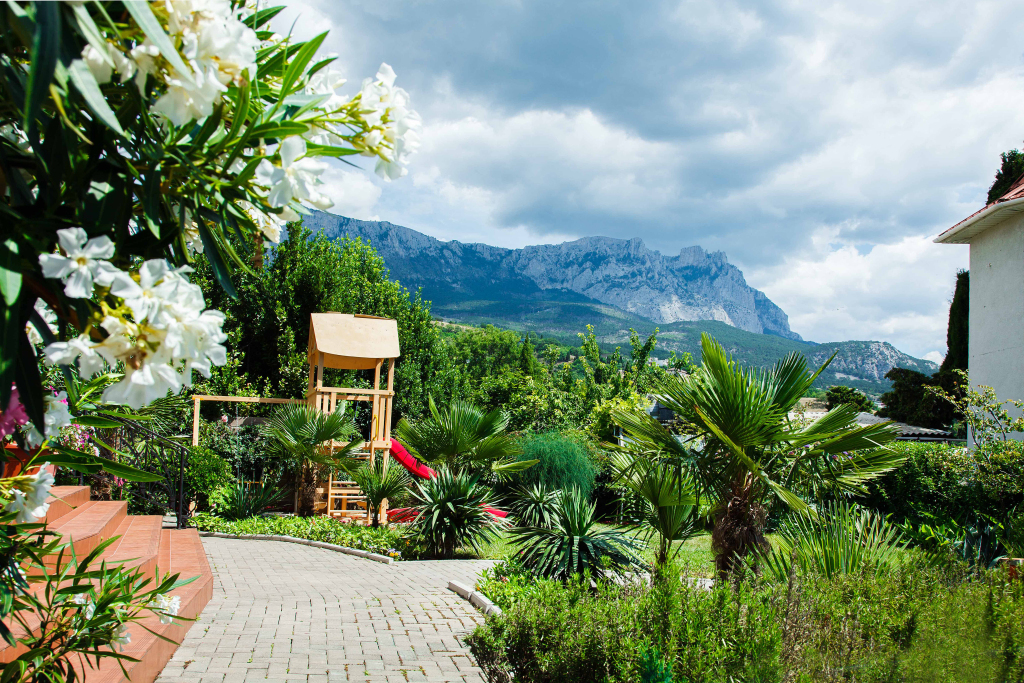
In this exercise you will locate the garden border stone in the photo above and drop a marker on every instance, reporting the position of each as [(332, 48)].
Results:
[(383, 559), (476, 598)]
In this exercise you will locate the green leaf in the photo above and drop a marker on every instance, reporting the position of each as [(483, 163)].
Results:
[(300, 61), (45, 51), (30, 385), (139, 9), (314, 150), (96, 421), (10, 273), (263, 16), (278, 129), (212, 251), (87, 27), (86, 84), (88, 463)]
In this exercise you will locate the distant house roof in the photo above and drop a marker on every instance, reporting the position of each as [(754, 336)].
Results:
[(906, 431), (864, 419), (1010, 203), (352, 342)]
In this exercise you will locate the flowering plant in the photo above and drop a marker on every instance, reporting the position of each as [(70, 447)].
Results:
[(55, 606), (135, 134)]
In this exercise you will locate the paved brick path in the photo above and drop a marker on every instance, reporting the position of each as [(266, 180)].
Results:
[(288, 612)]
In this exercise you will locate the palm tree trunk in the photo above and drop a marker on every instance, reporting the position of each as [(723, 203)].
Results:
[(739, 526)]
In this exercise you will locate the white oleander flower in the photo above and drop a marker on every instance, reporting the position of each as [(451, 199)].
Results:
[(268, 223), (87, 605), (295, 179), (188, 99), (166, 607), (48, 316), (32, 503), (387, 107), (123, 637), (144, 57), (82, 264), (56, 417), (81, 349), (102, 66)]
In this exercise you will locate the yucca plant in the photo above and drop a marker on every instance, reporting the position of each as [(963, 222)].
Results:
[(841, 538), (378, 481), (310, 438), (535, 505), (744, 452), (248, 500), (465, 438), (575, 545), (667, 507), (452, 512)]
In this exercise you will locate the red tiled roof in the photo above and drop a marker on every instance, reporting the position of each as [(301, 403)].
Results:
[(962, 232)]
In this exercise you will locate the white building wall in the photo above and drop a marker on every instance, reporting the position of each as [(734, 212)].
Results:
[(996, 344)]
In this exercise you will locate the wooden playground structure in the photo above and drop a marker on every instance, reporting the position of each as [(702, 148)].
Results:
[(343, 341)]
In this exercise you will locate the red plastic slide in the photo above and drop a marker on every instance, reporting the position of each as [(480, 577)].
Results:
[(405, 459), (415, 467)]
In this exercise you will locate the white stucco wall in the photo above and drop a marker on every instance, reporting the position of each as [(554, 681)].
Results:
[(996, 344)]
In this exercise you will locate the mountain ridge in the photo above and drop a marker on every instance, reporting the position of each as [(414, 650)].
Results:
[(694, 285), (480, 284)]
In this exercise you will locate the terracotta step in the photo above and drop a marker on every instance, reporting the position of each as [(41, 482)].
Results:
[(64, 499), (90, 524), (138, 544), (181, 552)]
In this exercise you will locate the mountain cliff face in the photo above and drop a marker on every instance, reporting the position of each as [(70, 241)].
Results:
[(695, 285)]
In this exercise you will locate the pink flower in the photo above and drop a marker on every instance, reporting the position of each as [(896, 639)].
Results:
[(14, 416)]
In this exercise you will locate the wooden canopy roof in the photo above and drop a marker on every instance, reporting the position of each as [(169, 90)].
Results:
[(352, 342)]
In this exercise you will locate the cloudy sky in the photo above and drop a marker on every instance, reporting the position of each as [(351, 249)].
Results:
[(821, 145)]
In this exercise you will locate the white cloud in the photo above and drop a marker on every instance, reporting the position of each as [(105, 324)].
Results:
[(895, 292), (353, 191)]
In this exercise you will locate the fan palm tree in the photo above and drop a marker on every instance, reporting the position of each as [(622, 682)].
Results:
[(463, 438), (310, 438), (665, 490), (745, 453), (379, 482)]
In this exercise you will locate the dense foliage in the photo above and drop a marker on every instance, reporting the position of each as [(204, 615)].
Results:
[(1010, 170), (564, 461), (838, 395), (958, 330), (382, 540)]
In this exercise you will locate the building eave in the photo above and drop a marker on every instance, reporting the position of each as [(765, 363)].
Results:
[(967, 229)]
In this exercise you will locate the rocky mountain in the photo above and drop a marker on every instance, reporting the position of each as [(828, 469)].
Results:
[(613, 285), (694, 285)]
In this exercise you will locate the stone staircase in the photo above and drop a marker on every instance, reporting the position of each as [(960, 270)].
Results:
[(142, 543)]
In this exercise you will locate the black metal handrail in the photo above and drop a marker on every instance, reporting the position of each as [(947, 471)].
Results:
[(147, 450)]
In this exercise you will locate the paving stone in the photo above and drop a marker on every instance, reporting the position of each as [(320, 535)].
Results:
[(283, 612)]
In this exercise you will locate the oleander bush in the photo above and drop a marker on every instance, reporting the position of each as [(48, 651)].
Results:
[(916, 623), (382, 540)]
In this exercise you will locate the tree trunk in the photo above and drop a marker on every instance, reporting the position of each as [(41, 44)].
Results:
[(739, 527)]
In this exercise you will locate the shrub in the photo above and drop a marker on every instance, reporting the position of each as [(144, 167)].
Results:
[(243, 500), (535, 505), (206, 472), (564, 462), (574, 545), (382, 540), (943, 482), (913, 624), (451, 513), (379, 482)]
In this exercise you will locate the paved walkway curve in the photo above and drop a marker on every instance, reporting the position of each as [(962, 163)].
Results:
[(287, 612)]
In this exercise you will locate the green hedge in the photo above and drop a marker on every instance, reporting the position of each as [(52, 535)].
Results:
[(921, 624), (383, 540), (950, 482)]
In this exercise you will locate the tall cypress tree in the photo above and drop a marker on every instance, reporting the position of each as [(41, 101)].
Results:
[(958, 331), (1009, 171)]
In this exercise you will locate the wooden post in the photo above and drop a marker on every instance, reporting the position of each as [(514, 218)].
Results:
[(195, 421)]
